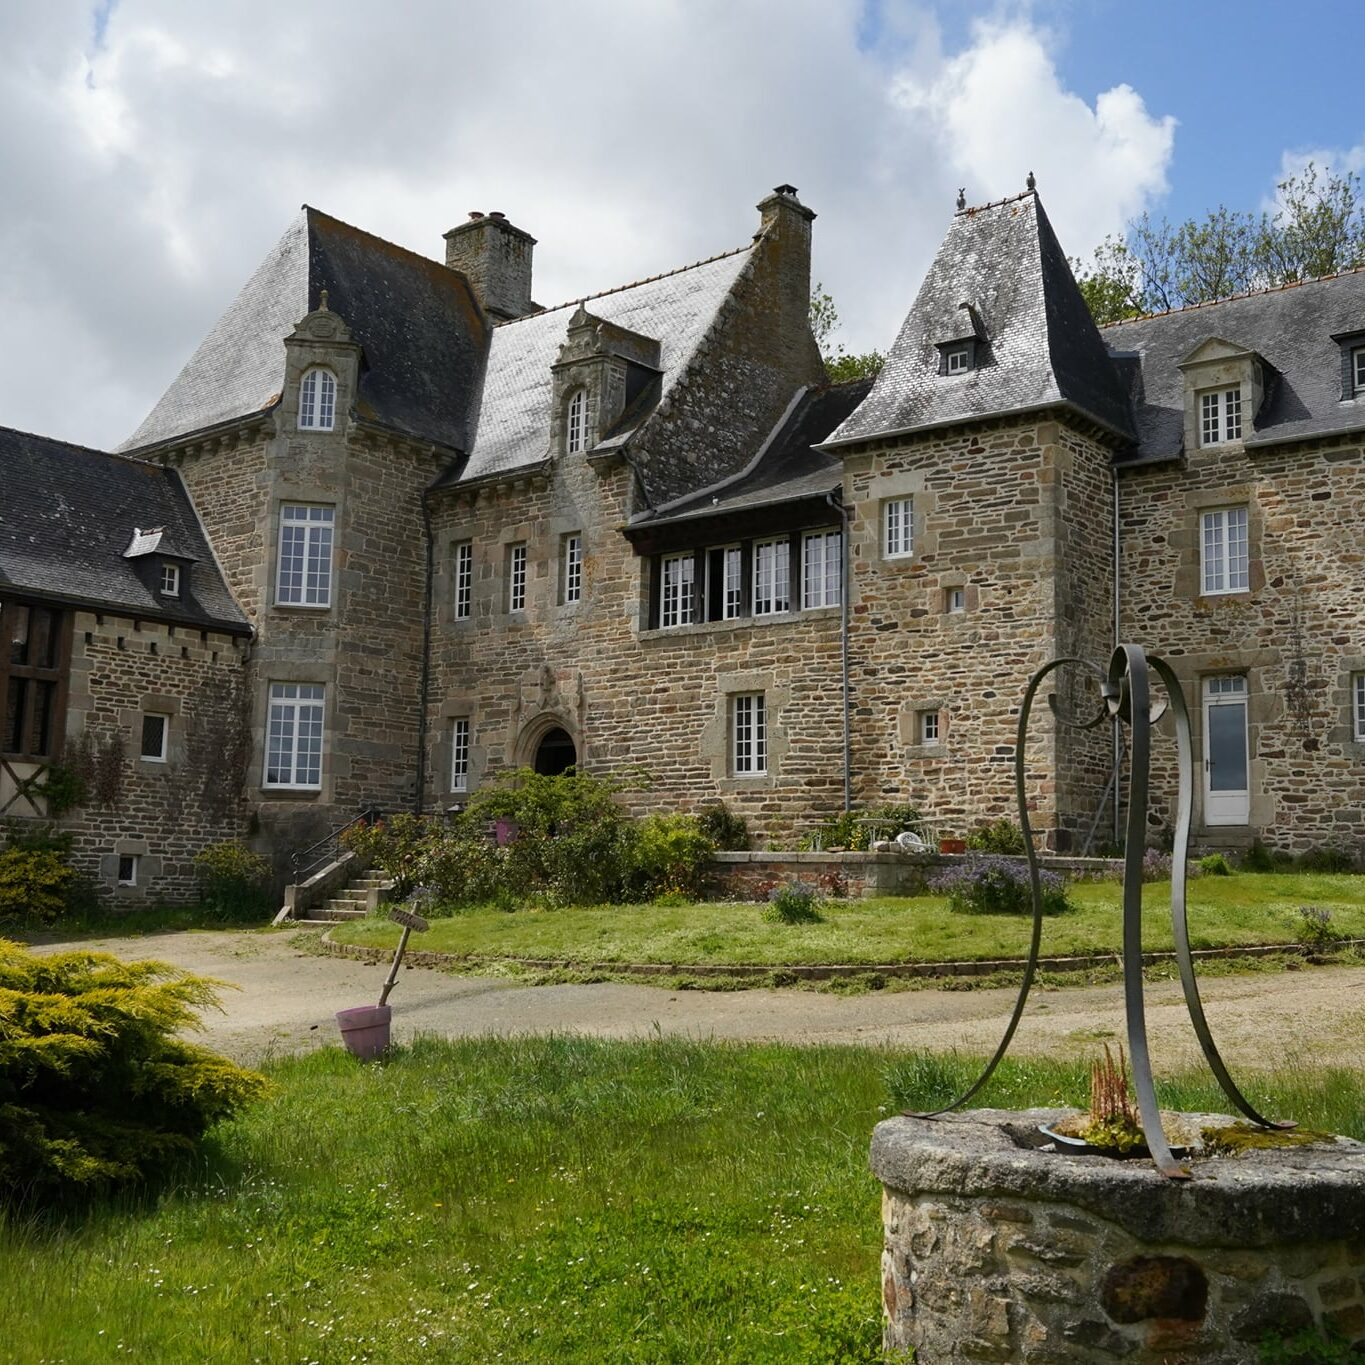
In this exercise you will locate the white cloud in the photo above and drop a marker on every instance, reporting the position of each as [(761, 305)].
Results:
[(146, 176)]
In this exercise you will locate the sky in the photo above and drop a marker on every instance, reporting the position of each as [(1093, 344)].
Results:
[(153, 151)]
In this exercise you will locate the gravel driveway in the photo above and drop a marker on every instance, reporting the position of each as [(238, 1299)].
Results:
[(287, 995)]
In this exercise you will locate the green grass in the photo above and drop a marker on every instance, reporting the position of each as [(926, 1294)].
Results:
[(555, 1199), (1242, 909)]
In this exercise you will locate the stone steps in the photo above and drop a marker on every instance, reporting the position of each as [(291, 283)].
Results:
[(351, 902)]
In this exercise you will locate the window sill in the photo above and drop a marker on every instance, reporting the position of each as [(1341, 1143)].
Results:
[(735, 623), (302, 606), (1234, 595), (290, 793)]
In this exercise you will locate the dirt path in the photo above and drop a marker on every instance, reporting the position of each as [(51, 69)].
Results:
[(287, 996)]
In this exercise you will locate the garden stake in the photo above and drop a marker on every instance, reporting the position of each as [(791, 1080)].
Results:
[(409, 921)]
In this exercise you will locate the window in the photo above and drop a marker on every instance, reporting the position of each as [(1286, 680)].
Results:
[(677, 580), (957, 360), (305, 572), (33, 643), (1223, 550), (155, 732), (898, 527), (732, 568), (1358, 707), (127, 869), (1358, 370), (293, 744), (576, 429), (516, 577), (464, 580), (573, 568), (955, 600), (822, 568), (170, 580), (772, 577), (317, 400), (1220, 416), (459, 756), (749, 731), (928, 727)]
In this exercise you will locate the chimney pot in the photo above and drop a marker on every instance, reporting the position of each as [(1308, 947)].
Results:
[(499, 216), (474, 215), (785, 189)]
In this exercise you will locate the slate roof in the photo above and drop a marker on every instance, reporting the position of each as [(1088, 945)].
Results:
[(420, 329), (1041, 346), (1290, 327), (67, 517), (512, 430)]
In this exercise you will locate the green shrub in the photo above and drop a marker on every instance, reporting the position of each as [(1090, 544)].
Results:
[(395, 844), (852, 829), (1259, 858), (1215, 865), (1332, 860), (234, 882), (1308, 1347), (96, 1089), (1315, 928), (671, 857), (34, 885), (722, 827), (1000, 836), (793, 903)]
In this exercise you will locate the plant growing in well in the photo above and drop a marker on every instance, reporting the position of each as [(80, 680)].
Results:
[(1113, 1125), (987, 884)]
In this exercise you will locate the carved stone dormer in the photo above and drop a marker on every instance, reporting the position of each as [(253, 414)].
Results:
[(1225, 387), (611, 368), (321, 342)]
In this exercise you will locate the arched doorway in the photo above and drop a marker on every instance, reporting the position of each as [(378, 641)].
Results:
[(555, 753)]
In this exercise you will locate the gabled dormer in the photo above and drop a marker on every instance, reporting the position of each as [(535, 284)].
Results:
[(1352, 346), (601, 370), (962, 341), (1224, 388), (322, 364), (162, 566)]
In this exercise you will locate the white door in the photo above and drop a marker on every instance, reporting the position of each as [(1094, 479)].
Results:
[(1227, 789)]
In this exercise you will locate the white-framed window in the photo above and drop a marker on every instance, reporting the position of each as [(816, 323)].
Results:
[(749, 733), (928, 727), (573, 568), (1358, 707), (677, 578), (169, 582), (958, 359), (318, 400), (1220, 416), (1223, 551), (127, 869), (898, 537), (1358, 370), (156, 730), (305, 568), (516, 576), (293, 736), (772, 577), (955, 600), (576, 424), (459, 755), (822, 566), (464, 580), (732, 588)]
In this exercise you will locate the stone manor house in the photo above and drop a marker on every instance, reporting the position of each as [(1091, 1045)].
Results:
[(397, 528)]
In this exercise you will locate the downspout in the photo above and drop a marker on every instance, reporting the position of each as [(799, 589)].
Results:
[(419, 799), (844, 591), (1116, 736)]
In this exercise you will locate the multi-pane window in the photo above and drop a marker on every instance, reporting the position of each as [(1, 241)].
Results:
[(516, 577), (958, 360), (318, 400), (1358, 706), (772, 577), (749, 733), (155, 731), (169, 581), (1220, 416), (1224, 558), (305, 570), (459, 756), (732, 585), (928, 727), (897, 527), (293, 737), (576, 433), (464, 580), (677, 580), (1358, 370), (32, 679), (821, 568), (573, 568)]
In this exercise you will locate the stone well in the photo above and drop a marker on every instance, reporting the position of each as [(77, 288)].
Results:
[(997, 1250)]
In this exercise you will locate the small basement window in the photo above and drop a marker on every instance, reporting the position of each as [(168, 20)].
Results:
[(127, 869), (955, 600), (928, 727), (170, 580)]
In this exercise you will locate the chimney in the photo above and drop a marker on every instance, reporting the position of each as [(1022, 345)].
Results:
[(786, 223), (495, 258)]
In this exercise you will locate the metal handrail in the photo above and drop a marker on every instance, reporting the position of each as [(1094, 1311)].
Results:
[(324, 850)]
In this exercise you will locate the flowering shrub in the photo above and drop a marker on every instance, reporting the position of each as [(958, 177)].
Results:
[(1316, 929), (793, 903), (989, 884), (1156, 866)]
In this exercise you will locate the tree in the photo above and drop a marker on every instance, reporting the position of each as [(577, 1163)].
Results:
[(1317, 229), (840, 365)]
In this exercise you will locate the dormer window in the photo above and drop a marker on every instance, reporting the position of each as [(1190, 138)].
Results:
[(1358, 371), (957, 359), (170, 580), (1220, 416), (576, 427), (317, 400)]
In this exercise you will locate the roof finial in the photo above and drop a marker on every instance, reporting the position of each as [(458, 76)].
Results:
[(1030, 184), (322, 306), (962, 199)]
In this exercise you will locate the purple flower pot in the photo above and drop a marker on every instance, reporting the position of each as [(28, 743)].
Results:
[(365, 1030)]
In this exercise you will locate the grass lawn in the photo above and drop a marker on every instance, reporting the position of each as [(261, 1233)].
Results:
[(1242, 909), (554, 1199)]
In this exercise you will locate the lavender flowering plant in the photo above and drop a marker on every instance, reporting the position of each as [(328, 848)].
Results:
[(990, 884)]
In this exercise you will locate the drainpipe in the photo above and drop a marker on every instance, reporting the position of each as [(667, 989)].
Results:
[(1116, 736), (419, 799), (844, 587)]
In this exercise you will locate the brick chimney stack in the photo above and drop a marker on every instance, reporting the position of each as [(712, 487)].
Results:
[(786, 221), (495, 257)]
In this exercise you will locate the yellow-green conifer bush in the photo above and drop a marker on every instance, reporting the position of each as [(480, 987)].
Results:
[(95, 1088)]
